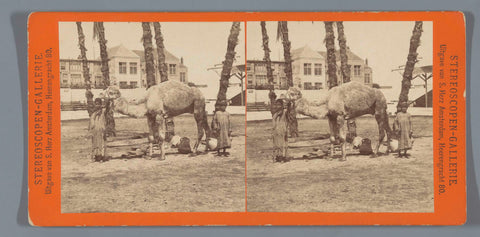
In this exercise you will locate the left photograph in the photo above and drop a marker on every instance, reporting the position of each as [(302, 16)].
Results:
[(152, 116)]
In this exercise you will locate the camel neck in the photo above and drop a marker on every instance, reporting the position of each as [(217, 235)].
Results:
[(305, 107), (130, 109)]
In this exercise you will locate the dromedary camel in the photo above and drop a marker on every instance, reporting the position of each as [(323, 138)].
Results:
[(167, 99), (347, 101)]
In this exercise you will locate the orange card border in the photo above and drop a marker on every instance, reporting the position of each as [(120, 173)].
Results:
[(449, 207)]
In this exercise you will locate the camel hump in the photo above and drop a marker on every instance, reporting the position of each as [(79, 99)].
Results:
[(175, 98)]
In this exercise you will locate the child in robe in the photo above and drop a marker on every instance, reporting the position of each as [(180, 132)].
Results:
[(280, 129), (403, 126), (97, 131), (222, 128)]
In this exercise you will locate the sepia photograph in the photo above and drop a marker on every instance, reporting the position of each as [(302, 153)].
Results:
[(152, 116), (339, 116)]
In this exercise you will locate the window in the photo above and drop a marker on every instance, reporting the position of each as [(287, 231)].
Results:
[(261, 79), (122, 67), (250, 81), (307, 69), (356, 70), (318, 85), (76, 79), (249, 68), (98, 80), (75, 66), (368, 80), (307, 86), (123, 85), (133, 84), (172, 69), (318, 69), (182, 77), (133, 68), (63, 66), (260, 68), (281, 69)]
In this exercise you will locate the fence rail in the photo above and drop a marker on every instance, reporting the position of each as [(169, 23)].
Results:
[(72, 106)]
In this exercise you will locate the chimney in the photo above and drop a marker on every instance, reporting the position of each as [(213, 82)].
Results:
[(181, 60), (366, 61)]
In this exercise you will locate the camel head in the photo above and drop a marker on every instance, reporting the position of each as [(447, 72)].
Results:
[(294, 93), (120, 104), (112, 92)]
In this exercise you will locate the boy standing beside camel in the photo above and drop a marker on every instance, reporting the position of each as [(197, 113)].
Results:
[(403, 127), (222, 128), (279, 109)]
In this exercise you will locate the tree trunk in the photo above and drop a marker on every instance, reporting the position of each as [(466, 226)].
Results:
[(86, 71), (266, 57), (411, 60), (162, 66), (148, 47), (283, 34), (227, 64), (292, 115), (345, 68), (342, 42), (331, 60), (99, 32), (162, 69)]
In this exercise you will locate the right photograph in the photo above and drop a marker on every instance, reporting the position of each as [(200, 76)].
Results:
[(339, 116)]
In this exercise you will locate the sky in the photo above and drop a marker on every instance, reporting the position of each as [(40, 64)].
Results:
[(201, 44), (385, 44)]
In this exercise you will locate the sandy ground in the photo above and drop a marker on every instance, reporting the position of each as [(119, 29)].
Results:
[(361, 184), (181, 183)]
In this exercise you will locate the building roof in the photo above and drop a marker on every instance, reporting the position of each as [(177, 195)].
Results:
[(350, 55), (121, 51), (169, 57), (79, 60), (261, 61), (306, 52)]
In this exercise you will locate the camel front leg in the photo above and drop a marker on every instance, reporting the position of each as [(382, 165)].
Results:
[(332, 121), (342, 134), (162, 149), (161, 137), (153, 133)]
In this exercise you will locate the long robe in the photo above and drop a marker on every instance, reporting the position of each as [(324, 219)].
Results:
[(403, 125), (222, 127), (280, 130), (97, 129)]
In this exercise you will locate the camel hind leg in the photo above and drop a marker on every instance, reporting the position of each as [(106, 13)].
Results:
[(337, 131), (202, 124), (332, 120), (152, 132), (154, 136), (342, 134), (382, 122)]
